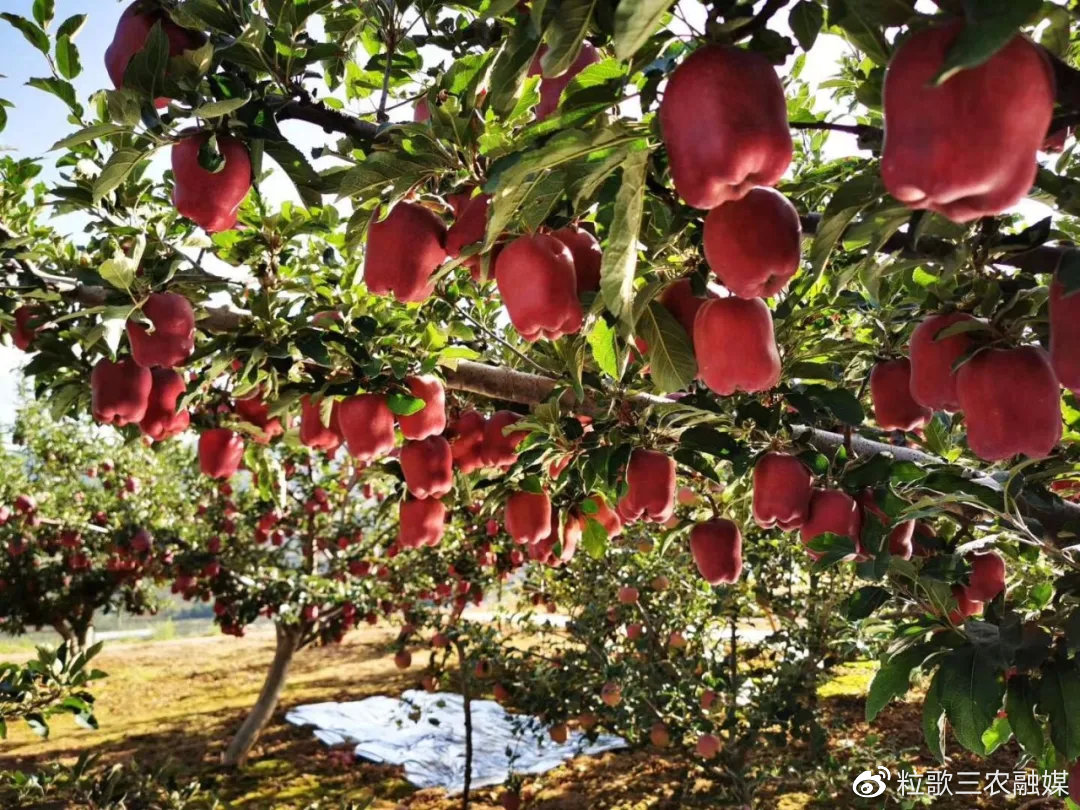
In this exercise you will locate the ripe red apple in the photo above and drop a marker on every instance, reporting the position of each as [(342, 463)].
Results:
[(605, 516), (551, 88), (708, 698), (659, 735), (890, 391), (650, 478), (403, 251), (754, 244), (676, 640), (255, 411), (210, 199), (220, 452), (933, 378), (987, 576), (24, 332), (528, 517), (628, 595), (499, 448), (161, 420), (428, 467), (708, 746), (421, 522), (954, 147), (1011, 403), (735, 346), (466, 436), (510, 800), (403, 659), (367, 424), (470, 226), (25, 504), (1065, 336), (782, 487), (313, 433), (965, 605), (538, 284), (587, 255), (501, 693), (660, 583), (635, 630), (431, 419), (1074, 782), (120, 391), (832, 511), (173, 337), (725, 124), (717, 549), (132, 32), (611, 694), (559, 733)]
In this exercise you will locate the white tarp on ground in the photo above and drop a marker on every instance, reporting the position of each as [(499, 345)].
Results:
[(426, 733)]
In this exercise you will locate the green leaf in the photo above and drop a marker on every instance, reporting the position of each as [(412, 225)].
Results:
[(971, 692), (620, 258), (296, 167), (511, 67), (1020, 706), (989, 26), (90, 133), (118, 271), (865, 601), (933, 718), (1059, 699), (67, 57), (843, 404), (893, 679), (604, 351), (671, 357), (404, 404), (71, 26), (219, 109), (999, 733), (34, 35), (146, 70), (44, 11), (58, 87), (847, 202), (805, 21), (565, 36), (635, 22), (116, 170), (594, 538)]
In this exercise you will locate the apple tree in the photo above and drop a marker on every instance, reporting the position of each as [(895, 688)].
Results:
[(573, 256)]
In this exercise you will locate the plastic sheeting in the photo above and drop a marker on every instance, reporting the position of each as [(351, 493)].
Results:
[(426, 734)]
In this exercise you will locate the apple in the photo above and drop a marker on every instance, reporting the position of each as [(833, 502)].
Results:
[(725, 125), (173, 337), (933, 360), (650, 477), (890, 392), (538, 284), (499, 448), (428, 467), (161, 420), (403, 251), (210, 199), (782, 487), (315, 434), (735, 346), (120, 391), (367, 425), (421, 522), (964, 147), (716, 546), (431, 419)]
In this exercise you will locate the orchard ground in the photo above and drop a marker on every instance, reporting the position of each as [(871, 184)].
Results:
[(177, 701)]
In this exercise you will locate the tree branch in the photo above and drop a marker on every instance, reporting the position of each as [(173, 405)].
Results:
[(315, 112)]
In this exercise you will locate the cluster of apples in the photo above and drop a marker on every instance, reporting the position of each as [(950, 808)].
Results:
[(1010, 397), (208, 198), (784, 496)]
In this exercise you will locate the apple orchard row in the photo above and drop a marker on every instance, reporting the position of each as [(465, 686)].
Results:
[(724, 120)]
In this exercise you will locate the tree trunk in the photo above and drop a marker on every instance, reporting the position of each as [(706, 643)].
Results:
[(466, 694), (288, 641)]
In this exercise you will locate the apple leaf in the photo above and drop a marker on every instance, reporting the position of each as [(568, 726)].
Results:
[(1020, 706), (71, 26), (565, 36), (90, 133), (1059, 698), (404, 404), (990, 25), (146, 70), (971, 692), (671, 357), (620, 258), (44, 11), (805, 20), (67, 57), (604, 350), (893, 679), (116, 169), (594, 538), (933, 718), (635, 23), (34, 35)]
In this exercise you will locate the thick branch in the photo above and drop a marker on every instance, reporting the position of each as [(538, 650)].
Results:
[(330, 120)]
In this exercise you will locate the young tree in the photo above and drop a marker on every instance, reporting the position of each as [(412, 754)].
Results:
[(88, 523), (654, 321)]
